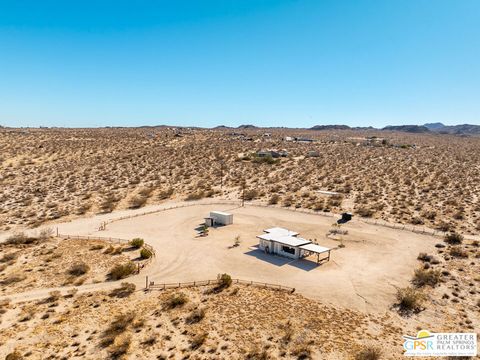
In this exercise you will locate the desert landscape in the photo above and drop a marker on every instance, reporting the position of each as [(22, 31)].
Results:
[(94, 221)]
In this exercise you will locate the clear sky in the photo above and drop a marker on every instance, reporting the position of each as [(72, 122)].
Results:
[(231, 62)]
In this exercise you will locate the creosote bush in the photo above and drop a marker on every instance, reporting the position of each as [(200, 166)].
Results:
[(145, 253), (423, 277), (368, 353), (78, 269), (121, 271), (137, 243), (176, 300), (453, 238), (409, 300), (195, 316), (125, 290)]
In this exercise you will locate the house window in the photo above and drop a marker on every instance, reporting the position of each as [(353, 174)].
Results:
[(288, 249)]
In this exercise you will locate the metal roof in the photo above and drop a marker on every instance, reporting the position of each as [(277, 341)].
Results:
[(281, 231), (314, 248), (285, 240)]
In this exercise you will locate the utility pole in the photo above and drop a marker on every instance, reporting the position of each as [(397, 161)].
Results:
[(221, 173), (243, 193)]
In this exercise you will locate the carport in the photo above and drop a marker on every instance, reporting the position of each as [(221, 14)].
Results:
[(310, 249)]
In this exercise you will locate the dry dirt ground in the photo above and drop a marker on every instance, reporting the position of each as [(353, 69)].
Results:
[(241, 322), (55, 262), (350, 301), (48, 174), (74, 180)]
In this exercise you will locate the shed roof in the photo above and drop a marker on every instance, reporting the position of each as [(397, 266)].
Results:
[(314, 248), (219, 213)]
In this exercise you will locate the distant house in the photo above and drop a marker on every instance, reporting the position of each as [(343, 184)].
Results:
[(272, 153), (304, 140), (288, 138)]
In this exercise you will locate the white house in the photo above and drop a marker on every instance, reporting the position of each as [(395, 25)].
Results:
[(286, 243)]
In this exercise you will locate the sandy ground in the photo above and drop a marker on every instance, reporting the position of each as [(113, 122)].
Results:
[(363, 275)]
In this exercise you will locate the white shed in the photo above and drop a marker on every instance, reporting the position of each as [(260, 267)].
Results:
[(221, 218)]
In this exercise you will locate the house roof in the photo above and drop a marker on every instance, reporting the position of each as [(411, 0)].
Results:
[(314, 248), (280, 231), (284, 239)]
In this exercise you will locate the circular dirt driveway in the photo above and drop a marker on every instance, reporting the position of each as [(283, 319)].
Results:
[(364, 274)]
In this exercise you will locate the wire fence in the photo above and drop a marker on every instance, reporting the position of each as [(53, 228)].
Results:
[(378, 222), (164, 286), (112, 240)]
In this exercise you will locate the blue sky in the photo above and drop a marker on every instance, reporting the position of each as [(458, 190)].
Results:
[(265, 62)]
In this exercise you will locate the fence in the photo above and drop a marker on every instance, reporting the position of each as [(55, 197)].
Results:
[(378, 222), (226, 202), (112, 240), (164, 286)]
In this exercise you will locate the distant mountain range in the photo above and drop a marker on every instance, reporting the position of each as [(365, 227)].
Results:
[(464, 129)]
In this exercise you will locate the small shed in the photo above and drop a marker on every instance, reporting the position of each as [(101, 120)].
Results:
[(219, 218)]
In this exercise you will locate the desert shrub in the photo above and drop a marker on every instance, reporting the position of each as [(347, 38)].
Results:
[(8, 257), (45, 234), (109, 250), (125, 290), (423, 277), (224, 281), (20, 239), (96, 247), (137, 201), (265, 160), (257, 354), (117, 250), (273, 199), (368, 353), (145, 253), (121, 271), (425, 257), (165, 194), (137, 243), (120, 346), (119, 324), (12, 279), (195, 316), (78, 269), (250, 194), (457, 251), (364, 212), (453, 238), (195, 196), (198, 340), (14, 356), (301, 350), (53, 296), (176, 300), (409, 300)]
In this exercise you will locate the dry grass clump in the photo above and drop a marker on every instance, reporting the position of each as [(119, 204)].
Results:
[(78, 269), (121, 271), (14, 356), (458, 252), (409, 300), (195, 316), (453, 238), (424, 277), (125, 290), (136, 243), (369, 353), (198, 340), (176, 300)]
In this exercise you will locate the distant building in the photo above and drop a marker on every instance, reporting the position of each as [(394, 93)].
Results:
[(272, 153)]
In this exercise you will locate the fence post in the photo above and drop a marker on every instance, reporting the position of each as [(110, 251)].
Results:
[(146, 282)]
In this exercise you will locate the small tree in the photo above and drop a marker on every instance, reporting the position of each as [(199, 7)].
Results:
[(137, 243)]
